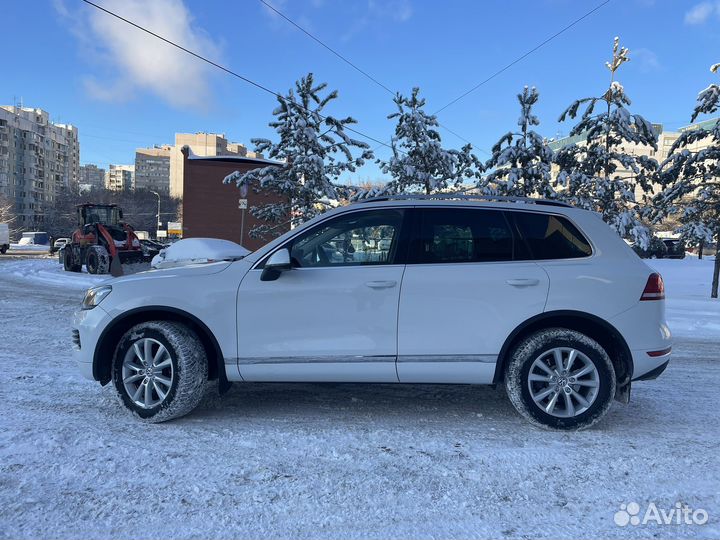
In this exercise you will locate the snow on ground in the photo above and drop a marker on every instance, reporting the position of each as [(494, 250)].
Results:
[(334, 460), (690, 310)]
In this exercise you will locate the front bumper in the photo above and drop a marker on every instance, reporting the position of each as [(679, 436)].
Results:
[(88, 325)]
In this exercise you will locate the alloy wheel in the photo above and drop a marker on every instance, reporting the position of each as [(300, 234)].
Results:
[(563, 382), (147, 373)]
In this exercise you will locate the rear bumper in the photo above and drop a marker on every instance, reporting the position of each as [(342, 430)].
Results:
[(653, 373), (647, 335), (648, 366)]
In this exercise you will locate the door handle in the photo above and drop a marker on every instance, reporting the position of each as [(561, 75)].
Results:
[(522, 282), (381, 284)]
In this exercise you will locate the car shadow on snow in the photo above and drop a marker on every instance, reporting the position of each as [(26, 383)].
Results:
[(367, 401), (452, 406), (366, 406)]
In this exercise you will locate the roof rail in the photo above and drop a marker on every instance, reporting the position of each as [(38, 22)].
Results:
[(464, 197)]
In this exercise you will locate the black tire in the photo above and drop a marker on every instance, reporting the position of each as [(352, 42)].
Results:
[(534, 347), (189, 365), (69, 262), (97, 260), (3, 249)]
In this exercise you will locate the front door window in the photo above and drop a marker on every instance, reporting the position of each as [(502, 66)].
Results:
[(357, 239)]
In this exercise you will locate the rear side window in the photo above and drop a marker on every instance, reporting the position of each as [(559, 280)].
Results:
[(550, 237), (454, 235)]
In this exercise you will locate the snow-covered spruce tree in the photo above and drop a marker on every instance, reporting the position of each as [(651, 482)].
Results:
[(597, 173), (419, 163), (313, 148), (692, 178), (521, 161)]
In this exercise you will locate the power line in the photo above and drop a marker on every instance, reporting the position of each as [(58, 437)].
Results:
[(322, 44), (355, 67), (528, 53), (223, 68)]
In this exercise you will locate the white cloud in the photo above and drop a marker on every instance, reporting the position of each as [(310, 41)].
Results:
[(702, 12), (140, 62), (397, 11), (646, 59)]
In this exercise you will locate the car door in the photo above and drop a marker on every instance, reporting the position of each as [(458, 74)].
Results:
[(333, 315), (462, 295)]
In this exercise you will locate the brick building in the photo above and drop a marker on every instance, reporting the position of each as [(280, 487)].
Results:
[(210, 208)]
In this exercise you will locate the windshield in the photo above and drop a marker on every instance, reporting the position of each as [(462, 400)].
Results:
[(101, 214)]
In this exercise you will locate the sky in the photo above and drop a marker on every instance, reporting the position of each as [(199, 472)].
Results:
[(125, 89)]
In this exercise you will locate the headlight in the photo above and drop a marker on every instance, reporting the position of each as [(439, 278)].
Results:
[(95, 295)]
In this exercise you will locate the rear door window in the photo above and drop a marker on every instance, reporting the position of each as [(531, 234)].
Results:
[(460, 235), (549, 236)]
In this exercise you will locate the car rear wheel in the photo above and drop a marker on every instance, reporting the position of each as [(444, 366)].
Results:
[(160, 370), (561, 379)]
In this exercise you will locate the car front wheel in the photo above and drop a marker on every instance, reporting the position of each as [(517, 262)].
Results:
[(561, 379), (160, 370)]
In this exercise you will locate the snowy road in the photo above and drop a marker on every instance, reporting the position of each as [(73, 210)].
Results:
[(329, 461)]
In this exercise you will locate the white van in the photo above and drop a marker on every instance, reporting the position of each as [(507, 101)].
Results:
[(4, 237), (35, 238)]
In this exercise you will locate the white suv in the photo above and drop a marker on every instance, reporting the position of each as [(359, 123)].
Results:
[(534, 294)]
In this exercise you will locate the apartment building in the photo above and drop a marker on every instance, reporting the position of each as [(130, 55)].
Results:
[(91, 177), (38, 159), (665, 141), (152, 168), (204, 145), (120, 177)]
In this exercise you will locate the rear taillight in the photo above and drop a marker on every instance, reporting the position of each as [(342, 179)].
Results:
[(654, 288)]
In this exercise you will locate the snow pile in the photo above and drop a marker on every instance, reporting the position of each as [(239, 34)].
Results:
[(198, 250), (28, 247), (49, 272)]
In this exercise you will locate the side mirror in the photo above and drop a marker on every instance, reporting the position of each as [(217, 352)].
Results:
[(278, 263)]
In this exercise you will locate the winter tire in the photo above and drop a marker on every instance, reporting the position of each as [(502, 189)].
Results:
[(3, 249), (160, 370), (97, 260), (561, 379)]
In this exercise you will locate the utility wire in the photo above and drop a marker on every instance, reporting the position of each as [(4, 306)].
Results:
[(528, 53), (226, 70), (354, 66), (319, 42)]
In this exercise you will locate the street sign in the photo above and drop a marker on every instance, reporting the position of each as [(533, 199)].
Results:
[(243, 190), (161, 234), (174, 227), (242, 204)]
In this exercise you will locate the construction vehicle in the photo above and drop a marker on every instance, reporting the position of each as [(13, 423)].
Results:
[(102, 242)]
